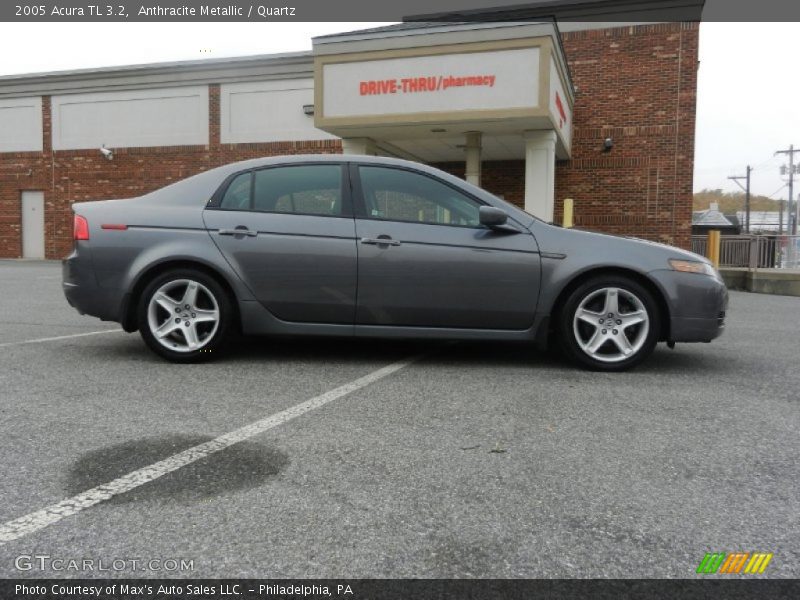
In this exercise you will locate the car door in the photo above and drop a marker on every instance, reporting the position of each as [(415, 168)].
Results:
[(288, 232), (425, 260)]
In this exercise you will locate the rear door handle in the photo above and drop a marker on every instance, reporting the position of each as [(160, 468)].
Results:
[(238, 231), (387, 241)]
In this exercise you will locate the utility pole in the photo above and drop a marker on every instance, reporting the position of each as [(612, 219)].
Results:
[(792, 215), (780, 217), (746, 189)]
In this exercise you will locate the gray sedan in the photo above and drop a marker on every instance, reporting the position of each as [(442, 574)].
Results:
[(375, 247)]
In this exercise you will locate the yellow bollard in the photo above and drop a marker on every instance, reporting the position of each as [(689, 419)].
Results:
[(569, 207), (712, 248)]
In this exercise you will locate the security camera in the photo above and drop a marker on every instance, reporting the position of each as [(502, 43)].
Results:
[(109, 154), (608, 144)]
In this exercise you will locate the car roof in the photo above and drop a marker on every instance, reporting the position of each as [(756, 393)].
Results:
[(317, 158)]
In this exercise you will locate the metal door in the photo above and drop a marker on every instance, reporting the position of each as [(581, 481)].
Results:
[(438, 276), (423, 259), (33, 224), (302, 268), (289, 233)]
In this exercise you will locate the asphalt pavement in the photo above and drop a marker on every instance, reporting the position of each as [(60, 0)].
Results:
[(473, 460)]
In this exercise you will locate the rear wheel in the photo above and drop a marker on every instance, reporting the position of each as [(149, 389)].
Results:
[(185, 316), (609, 323)]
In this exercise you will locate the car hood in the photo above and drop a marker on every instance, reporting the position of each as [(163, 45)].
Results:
[(602, 248), (673, 251)]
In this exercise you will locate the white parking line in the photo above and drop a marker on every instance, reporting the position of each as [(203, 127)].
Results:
[(59, 337), (49, 515)]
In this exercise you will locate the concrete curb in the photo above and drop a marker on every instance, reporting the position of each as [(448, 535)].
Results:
[(783, 282)]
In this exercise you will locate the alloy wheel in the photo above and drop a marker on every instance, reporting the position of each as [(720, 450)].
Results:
[(183, 315), (611, 324)]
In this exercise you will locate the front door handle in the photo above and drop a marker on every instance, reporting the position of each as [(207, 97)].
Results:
[(387, 241), (238, 231)]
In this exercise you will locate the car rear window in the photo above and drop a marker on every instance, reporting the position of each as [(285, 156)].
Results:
[(306, 189), (237, 196)]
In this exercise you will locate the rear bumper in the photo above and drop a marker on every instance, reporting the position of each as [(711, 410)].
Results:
[(697, 305), (82, 292)]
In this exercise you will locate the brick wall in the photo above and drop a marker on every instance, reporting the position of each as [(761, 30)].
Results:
[(21, 171), (635, 84), (505, 178)]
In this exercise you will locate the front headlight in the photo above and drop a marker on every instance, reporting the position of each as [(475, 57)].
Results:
[(692, 266)]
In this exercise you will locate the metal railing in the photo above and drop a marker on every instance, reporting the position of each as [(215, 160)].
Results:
[(754, 251)]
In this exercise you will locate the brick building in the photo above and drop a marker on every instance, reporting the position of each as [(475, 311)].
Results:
[(533, 111)]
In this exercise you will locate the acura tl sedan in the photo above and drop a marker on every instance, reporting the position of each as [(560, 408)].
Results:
[(375, 247)]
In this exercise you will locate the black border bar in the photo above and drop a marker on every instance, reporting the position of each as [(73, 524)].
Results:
[(265, 11), (736, 588)]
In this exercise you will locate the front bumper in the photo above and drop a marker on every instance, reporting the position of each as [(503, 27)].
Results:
[(689, 329), (697, 305)]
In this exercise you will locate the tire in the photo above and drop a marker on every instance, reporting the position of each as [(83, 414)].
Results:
[(180, 334), (609, 323)]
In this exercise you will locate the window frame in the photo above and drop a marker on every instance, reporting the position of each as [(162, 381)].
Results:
[(345, 190), (360, 204), (227, 185)]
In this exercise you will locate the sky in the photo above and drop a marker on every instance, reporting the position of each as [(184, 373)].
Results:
[(747, 104), (748, 80)]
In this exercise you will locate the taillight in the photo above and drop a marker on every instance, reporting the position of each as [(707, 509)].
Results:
[(80, 229)]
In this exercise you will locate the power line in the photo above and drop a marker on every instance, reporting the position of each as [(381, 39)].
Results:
[(769, 160), (771, 196)]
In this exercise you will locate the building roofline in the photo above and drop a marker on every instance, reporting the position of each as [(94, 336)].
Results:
[(202, 64), (176, 73), (417, 28)]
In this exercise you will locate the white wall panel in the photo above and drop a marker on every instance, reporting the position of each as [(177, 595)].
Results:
[(268, 111), (138, 118), (21, 125)]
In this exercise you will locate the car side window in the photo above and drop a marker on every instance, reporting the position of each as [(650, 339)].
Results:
[(237, 196), (303, 189), (400, 195)]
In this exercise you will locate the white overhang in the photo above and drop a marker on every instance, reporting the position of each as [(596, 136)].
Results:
[(420, 87)]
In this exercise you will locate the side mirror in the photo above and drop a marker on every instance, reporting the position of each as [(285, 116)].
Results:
[(492, 217)]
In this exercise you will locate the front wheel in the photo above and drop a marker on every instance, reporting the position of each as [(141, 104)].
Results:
[(609, 323), (184, 316)]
